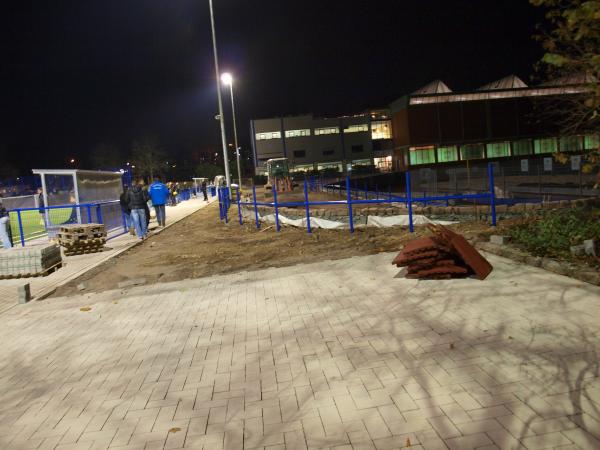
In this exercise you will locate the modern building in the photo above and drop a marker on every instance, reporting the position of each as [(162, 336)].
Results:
[(502, 119), (319, 143)]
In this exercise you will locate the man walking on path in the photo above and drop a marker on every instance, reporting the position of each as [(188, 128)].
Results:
[(5, 234), (159, 193), (137, 197), (203, 188), (126, 210)]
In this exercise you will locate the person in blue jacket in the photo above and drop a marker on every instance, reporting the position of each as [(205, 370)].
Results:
[(159, 194)]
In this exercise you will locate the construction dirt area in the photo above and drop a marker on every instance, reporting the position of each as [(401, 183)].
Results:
[(201, 245)]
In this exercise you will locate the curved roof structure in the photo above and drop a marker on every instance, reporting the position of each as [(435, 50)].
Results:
[(435, 87), (508, 82)]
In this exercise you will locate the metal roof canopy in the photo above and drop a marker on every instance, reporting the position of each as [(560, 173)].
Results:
[(76, 175)]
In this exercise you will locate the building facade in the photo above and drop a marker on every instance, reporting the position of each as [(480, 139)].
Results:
[(319, 143), (431, 126), (503, 119)]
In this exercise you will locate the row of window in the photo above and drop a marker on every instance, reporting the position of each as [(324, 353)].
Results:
[(328, 152), (381, 129), (336, 165), (449, 153)]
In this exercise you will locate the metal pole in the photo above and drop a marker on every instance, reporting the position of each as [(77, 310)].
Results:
[(255, 208), (349, 202), (218, 76), (277, 226), (411, 227), (235, 137), (239, 206), (20, 228), (492, 193), (307, 207)]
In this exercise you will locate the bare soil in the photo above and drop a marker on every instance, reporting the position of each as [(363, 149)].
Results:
[(201, 245)]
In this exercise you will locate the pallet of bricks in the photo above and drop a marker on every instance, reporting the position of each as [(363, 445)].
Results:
[(82, 238), (31, 261)]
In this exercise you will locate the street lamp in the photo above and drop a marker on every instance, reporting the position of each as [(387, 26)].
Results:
[(218, 79), (227, 80)]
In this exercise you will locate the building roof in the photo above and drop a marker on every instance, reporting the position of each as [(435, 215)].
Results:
[(435, 87), (508, 82)]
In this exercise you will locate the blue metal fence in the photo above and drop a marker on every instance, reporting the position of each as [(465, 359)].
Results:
[(353, 196)]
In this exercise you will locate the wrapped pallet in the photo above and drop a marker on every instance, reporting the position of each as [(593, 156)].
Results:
[(31, 261), (82, 238)]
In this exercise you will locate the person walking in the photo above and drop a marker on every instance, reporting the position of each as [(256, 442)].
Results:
[(5, 234), (137, 199), (203, 188), (159, 193), (126, 210)]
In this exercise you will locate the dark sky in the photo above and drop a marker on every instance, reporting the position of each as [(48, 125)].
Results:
[(76, 73)]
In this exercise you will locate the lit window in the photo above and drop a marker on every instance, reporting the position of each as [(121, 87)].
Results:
[(422, 155), (472, 151), (299, 153), (498, 149), (591, 142), (381, 129), (447, 153), (327, 130), (384, 164), (362, 162), (546, 145), (356, 128), (330, 167), (571, 144), (297, 133), (268, 135), (522, 147)]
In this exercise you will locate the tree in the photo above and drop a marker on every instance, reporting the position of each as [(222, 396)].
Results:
[(572, 52), (208, 170), (148, 156), (105, 156)]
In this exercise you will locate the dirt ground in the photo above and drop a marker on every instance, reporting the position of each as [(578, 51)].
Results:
[(201, 245)]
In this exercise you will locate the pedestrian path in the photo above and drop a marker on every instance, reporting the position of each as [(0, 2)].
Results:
[(77, 265), (332, 355)]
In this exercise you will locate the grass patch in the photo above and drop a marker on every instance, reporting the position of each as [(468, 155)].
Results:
[(552, 233), (33, 223)]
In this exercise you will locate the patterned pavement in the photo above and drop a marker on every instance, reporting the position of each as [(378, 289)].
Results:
[(332, 355)]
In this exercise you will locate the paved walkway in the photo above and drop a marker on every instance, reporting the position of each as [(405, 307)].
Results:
[(337, 355), (77, 265)]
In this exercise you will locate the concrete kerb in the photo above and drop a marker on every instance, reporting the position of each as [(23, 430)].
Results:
[(45, 293)]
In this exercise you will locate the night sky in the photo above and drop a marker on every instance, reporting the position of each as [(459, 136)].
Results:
[(78, 73)]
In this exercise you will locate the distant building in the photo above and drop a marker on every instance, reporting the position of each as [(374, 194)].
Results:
[(431, 126), (319, 143), (499, 120)]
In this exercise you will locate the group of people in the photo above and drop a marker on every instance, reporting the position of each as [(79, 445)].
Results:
[(134, 204)]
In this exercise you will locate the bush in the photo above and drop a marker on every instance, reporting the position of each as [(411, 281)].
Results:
[(554, 232)]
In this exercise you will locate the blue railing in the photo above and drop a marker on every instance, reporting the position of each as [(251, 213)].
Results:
[(352, 197)]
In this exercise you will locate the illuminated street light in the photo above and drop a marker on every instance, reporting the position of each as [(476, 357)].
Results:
[(227, 80)]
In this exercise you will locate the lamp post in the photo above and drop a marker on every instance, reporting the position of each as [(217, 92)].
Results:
[(221, 116), (227, 80)]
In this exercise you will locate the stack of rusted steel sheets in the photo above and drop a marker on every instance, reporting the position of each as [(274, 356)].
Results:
[(443, 255)]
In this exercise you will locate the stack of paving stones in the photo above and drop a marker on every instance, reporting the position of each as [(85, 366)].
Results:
[(441, 256), (82, 238), (32, 261)]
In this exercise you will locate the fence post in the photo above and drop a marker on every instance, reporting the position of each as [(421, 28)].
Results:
[(89, 211), (276, 210), (227, 201), (349, 201), (220, 203), (307, 207), (99, 213), (411, 227), (492, 193), (21, 227), (239, 206), (255, 208)]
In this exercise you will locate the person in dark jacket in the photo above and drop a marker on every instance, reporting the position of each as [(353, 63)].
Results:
[(126, 210), (203, 188), (137, 200), (5, 232)]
